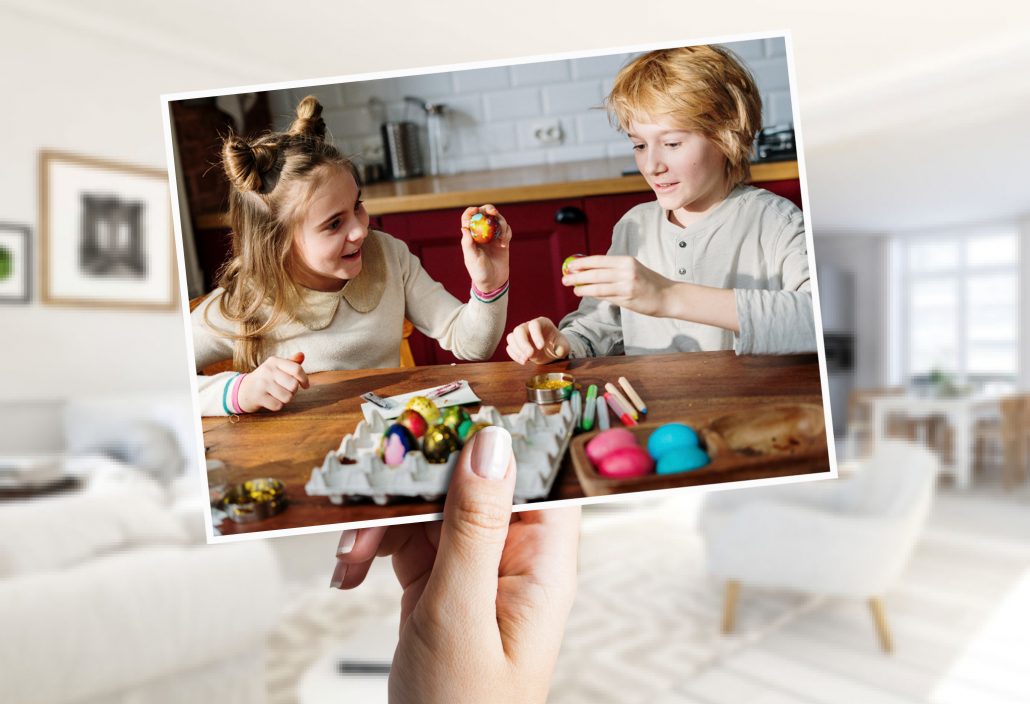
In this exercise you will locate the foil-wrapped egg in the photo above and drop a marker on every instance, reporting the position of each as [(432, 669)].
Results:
[(453, 417), (468, 429), (438, 444), (425, 407), (483, 227), (413, 421), (395, 443)]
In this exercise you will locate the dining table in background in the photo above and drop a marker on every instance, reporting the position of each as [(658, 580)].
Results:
[(960, 412), (289, 444)]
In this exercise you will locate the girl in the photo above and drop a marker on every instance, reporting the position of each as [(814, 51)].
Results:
[(311, 288), (711, 264)]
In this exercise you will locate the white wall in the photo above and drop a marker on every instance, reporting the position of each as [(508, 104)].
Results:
[(865, 257), (494, 111), (98, 96)]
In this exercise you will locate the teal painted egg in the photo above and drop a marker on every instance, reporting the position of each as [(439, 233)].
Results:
[(438, 444), (395, 443), (682, 459), (670, 436), (453, 417), (468, 429)]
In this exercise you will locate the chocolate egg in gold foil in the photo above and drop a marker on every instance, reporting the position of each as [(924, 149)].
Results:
[(438, 443), (426, 408)]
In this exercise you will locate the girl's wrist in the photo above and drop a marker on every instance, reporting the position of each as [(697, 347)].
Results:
[(487, 292)]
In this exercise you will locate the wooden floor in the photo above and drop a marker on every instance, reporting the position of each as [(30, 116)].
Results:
[(960, 617)]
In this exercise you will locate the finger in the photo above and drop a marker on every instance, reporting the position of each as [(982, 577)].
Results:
[(298, 358), (597, 261), (604, 292), (294, 369), (359, 545), (519, 339), (516, 355), (270, 402), (279, 393), (348, 575), (286, 381), (536, 333), (476, 516)]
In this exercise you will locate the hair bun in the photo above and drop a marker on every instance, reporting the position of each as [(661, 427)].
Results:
[(248, 165), (309, 122)]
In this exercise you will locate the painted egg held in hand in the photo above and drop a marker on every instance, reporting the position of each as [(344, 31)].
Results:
[(626, 462), (396, 442), (453, 417), (484, 227), (569, 260), (438, 444), (413, 421), (468, 429), (425, 407), (670, 436)]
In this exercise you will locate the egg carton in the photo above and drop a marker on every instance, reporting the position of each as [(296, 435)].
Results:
[(538, 441)]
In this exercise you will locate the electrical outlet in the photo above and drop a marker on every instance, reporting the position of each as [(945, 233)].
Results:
[(547, 132)]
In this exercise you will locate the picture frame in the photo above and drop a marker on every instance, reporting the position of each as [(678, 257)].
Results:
[(15, 263), (105, 234)]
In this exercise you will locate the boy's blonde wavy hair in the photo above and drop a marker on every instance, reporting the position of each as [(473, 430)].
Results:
[(704, 89), (272, 178)]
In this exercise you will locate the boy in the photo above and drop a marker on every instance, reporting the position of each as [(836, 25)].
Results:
[(712, 264)]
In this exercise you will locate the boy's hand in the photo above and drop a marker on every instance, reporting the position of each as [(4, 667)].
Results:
[(537, 341), (273, 384), (487, 264), (622, 281)]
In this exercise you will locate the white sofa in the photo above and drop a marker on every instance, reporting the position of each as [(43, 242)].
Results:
[(846, 537), (109, 594)]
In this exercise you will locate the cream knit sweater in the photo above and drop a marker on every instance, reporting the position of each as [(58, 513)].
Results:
[(360, 326)]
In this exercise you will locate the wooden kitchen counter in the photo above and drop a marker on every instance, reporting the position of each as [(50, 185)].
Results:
[(515, 185), (288, 445)]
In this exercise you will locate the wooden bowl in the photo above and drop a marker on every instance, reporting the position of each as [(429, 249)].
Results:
[(775, 441)]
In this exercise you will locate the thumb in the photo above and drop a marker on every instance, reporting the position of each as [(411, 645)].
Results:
[(298, 358), (475, 525)]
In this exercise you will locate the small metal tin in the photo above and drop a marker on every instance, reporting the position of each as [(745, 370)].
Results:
[(255, 500), (537, 391)]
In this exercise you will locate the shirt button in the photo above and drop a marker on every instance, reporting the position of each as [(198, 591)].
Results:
[(682, 272), (683, 243)]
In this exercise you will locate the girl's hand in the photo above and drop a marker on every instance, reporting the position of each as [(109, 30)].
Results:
[(622, 281), (273, 384), (537, 341), (486, 594), (487, 264)]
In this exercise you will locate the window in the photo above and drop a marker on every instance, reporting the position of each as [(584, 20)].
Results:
[(959, 306)]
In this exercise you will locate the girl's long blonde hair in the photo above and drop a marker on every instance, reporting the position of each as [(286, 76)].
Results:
[(272, 180)]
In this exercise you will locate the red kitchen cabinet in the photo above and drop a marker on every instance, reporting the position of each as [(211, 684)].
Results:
[(539, 247)]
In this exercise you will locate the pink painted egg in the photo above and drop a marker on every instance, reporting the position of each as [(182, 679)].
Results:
[(607, 441), (626, 462)]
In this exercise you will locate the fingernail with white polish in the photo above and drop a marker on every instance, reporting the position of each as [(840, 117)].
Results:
[(491, 452), (339, 572), (347, 539)]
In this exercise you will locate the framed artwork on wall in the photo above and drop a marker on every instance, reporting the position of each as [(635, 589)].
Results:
[(105, 234), (15, 263)]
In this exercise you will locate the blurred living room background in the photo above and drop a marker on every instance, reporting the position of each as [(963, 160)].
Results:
[(906, 580)]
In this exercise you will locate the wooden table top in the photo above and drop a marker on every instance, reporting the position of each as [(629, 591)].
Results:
[(287, 445)]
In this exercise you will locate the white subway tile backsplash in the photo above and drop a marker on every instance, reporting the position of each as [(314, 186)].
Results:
[(349, 122), (620, 150), (522, 158), (465, 110), (461, 164), (542, 72), (770, 74), (779, 108), (479, 80), (359, 92), (599, 66), (427, 86), (572, 97), (525, 131), (513, 103), (486, 139), (593, 126), (576, 152)]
